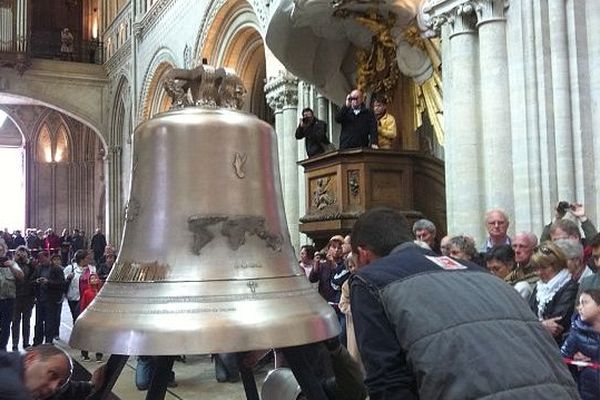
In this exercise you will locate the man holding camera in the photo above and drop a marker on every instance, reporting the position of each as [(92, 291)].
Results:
[(574, 212), (359, 125), (49, 284), (314, 131)]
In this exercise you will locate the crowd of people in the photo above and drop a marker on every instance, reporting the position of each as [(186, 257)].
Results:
[(38, 272), (556, 279), (516, 317)]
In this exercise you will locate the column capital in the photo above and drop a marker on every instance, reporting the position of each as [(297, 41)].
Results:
[(458, 14), (282, 91), (490, 10)]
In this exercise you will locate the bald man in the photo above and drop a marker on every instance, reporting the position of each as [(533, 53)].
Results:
[(359, 125)]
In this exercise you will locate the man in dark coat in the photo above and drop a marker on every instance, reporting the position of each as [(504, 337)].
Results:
[(314, 132), (98, 245), (49, 283), (431, 327), (359, 125)]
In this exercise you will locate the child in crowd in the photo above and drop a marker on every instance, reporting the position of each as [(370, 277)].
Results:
[(86, 298), (584, 338)]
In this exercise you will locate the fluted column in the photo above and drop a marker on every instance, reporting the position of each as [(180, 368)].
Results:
[(115, 205), (282, 95), (495, 105), (592, 13), (561, 98), (463, 138)]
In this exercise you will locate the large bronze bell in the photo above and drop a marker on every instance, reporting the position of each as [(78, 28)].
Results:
[(206, 264)]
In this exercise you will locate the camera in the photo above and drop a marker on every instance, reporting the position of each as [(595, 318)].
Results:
[(563, 207)]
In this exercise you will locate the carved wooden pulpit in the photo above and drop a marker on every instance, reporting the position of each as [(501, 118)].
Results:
[(343, 184)]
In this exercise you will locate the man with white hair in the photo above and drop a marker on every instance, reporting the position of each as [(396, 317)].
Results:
[(523, 244), (496, 222)]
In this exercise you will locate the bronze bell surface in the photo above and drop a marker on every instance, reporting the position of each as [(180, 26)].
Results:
[(206, 263)]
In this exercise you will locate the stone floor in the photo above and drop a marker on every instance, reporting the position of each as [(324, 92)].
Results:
[(195, 378)]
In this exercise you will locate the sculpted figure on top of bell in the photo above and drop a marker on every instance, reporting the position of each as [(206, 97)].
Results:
[(205, 86)]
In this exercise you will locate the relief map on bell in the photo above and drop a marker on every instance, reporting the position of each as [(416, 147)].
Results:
[(234, 228)]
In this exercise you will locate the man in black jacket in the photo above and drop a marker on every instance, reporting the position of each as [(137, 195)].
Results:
[(431, 327), (314, 131), (359, 125), (49, 284)]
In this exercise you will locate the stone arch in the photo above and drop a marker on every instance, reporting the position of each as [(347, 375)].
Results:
[(66, 110), (53, 122), (230, 37), (154, 98)]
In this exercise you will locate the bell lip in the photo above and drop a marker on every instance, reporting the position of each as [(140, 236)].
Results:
[(210, 342)]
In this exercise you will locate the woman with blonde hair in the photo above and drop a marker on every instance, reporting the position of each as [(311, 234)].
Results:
[(553, 299)]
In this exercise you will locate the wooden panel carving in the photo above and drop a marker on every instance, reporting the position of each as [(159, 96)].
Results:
[(354, 186), (323, 193)]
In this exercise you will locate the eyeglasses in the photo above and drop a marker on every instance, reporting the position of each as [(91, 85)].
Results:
[(544, 250), (352, 98)]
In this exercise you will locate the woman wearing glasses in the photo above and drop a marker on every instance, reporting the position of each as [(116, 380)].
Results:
[(553, 299)]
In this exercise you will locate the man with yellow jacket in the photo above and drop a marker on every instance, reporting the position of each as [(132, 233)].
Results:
[(386, 124)]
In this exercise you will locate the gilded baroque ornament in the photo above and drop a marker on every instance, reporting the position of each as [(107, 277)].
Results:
[(377, 70)]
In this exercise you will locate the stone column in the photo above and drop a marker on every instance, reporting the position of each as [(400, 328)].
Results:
[(592, 12), (561, 98), (495, 105), (282, 95), (463, 138), (115, 205)]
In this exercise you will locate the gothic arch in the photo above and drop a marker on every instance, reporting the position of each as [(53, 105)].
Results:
[(57, 133), (154, 98), (68, 111), (230, 37)]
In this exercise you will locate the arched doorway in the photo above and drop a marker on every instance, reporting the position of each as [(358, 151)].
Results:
[(231, 38), (64, 168), (12, 162)]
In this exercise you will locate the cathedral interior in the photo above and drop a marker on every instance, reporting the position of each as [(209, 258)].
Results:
[(496, 102)]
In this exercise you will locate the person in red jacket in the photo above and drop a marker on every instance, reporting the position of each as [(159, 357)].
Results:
[(86, 298)]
